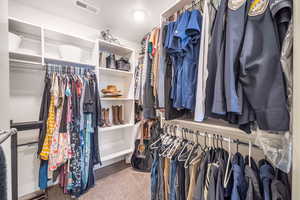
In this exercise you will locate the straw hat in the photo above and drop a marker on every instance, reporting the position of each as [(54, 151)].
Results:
[(111, 89)]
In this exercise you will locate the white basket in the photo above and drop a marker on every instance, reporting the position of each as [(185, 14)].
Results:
[(14, 41), (69, 52)]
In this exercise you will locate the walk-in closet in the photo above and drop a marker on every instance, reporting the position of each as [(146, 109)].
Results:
[(149, 100)]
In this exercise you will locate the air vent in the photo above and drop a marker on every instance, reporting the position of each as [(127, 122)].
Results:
[(86, 6)]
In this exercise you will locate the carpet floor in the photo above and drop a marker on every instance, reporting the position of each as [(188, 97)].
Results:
[(126, 184)]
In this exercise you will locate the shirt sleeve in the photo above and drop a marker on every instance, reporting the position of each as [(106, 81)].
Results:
[(194, 26)]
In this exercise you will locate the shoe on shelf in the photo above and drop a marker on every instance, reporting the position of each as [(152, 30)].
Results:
[(115, 115), (103, 122), (120, 114), (107, 121)]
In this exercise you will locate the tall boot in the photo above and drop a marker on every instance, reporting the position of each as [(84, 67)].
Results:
[(103, 121), (107, 121), (120, 114), (115, 115)]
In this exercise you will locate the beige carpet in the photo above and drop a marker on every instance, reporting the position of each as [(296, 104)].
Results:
[(126, 184)]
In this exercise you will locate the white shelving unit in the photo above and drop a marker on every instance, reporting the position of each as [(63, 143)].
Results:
[(26, 90), (119, 137)]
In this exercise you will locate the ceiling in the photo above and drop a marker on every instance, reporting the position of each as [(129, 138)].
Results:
[(116, 15)]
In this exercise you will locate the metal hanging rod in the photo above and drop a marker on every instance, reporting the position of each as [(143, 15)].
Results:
[(60, 63), (196, 132)]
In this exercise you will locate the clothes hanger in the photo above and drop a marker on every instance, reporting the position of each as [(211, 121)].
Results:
[(249, 153), (168, 144), (186, 144), (199, 146), (198, 134), (213, 148), (228, 172), (191, 152), (176, 144), (205, 143)]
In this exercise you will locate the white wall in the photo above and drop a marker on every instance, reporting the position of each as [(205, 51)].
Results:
[(4, 86)]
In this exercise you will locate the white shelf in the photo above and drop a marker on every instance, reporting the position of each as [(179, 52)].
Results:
[(116, 127), (70, 61), (115, 99), (24, 56), (54, 35), (114, 72), (114, 48), (216, 126), (24, 28), (116, 155)]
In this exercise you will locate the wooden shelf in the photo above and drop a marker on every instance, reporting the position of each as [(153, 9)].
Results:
[(116, 155), (114, 72), (116, 127)]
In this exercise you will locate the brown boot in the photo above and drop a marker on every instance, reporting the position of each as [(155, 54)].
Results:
[(120, 114), (115, 115), (103, 122), (107, 122)]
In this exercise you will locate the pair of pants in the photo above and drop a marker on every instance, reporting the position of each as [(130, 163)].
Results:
[(154, 176), (173, 179), (166, 178)]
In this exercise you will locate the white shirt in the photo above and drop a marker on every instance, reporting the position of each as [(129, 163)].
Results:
[(207, 20)]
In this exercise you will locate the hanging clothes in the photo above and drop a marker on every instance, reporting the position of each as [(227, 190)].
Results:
[(215, 68), (188, 171), (209, 13), (70, 146)]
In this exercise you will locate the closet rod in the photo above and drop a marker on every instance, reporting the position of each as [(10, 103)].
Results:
[(59, 63), (195, 132)]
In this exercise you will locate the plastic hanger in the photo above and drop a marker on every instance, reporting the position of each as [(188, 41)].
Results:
[(228, 172), (168, 144), (249, 153), (205, 143), (199, 147), (187, 143), (176, 143), (187, 161)]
